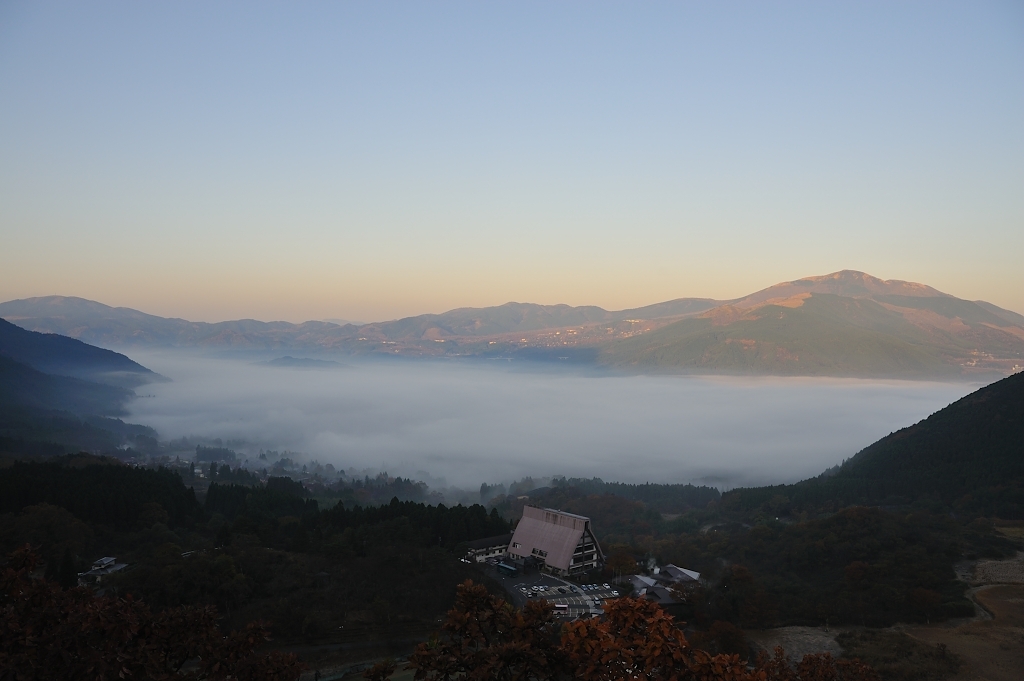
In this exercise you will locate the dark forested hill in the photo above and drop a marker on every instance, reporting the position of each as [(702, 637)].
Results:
[(349, 575), (55, 391), (108, 494), (968, 457), (23, 386), (51, 353)]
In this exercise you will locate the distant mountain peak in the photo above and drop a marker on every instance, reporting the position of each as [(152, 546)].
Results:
[(853, 280), (848, 283), (67, 307)]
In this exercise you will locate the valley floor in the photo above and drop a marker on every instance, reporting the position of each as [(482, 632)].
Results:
[(989, 645), (991, 649), (992, 645)]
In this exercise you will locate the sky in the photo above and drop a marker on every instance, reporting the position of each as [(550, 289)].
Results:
[(369, 161)]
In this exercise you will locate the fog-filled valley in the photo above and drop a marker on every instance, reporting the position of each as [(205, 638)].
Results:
[(691, 341), (462, 423)]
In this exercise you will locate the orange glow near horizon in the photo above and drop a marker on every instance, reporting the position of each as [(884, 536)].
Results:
[(368, 161)]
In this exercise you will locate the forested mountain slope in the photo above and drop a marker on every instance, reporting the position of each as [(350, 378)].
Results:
[(968, 457), (23, 386), (51, 353), (56, 394)]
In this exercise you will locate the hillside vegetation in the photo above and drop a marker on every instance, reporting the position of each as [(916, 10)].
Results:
[(254, 552), (23, 387), (968, 457), (51, 353), (873, 543), (57, 395)]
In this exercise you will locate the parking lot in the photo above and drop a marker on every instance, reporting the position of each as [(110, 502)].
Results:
[(571, 601)]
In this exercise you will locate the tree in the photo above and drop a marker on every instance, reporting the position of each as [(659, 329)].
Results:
[(67, 576), (822, 667), (634, 640), (381, 671), (50, 633), (620, 562), (483, 637)]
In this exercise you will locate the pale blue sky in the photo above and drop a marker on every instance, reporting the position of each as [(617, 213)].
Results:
[(225, 160)]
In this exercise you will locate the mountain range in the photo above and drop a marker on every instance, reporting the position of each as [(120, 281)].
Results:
[(842, 324)]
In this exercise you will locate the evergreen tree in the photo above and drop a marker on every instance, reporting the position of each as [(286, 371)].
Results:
[(67, 575)]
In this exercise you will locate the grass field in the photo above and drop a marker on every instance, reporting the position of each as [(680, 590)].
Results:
[(993, 649)]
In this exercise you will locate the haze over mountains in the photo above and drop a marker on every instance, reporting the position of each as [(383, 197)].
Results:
[(842, 324)]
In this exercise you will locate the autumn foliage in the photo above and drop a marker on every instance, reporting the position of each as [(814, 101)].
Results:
[(484, 637), (47, 632)]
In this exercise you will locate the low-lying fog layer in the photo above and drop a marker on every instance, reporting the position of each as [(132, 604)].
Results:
[(475, 422)]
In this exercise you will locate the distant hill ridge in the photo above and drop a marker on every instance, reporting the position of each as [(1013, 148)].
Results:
[(846, 323)]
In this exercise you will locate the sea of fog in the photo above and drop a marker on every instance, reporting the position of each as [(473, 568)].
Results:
[(465, 422)]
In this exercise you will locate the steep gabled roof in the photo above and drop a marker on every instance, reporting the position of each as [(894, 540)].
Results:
[(551, 531)]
